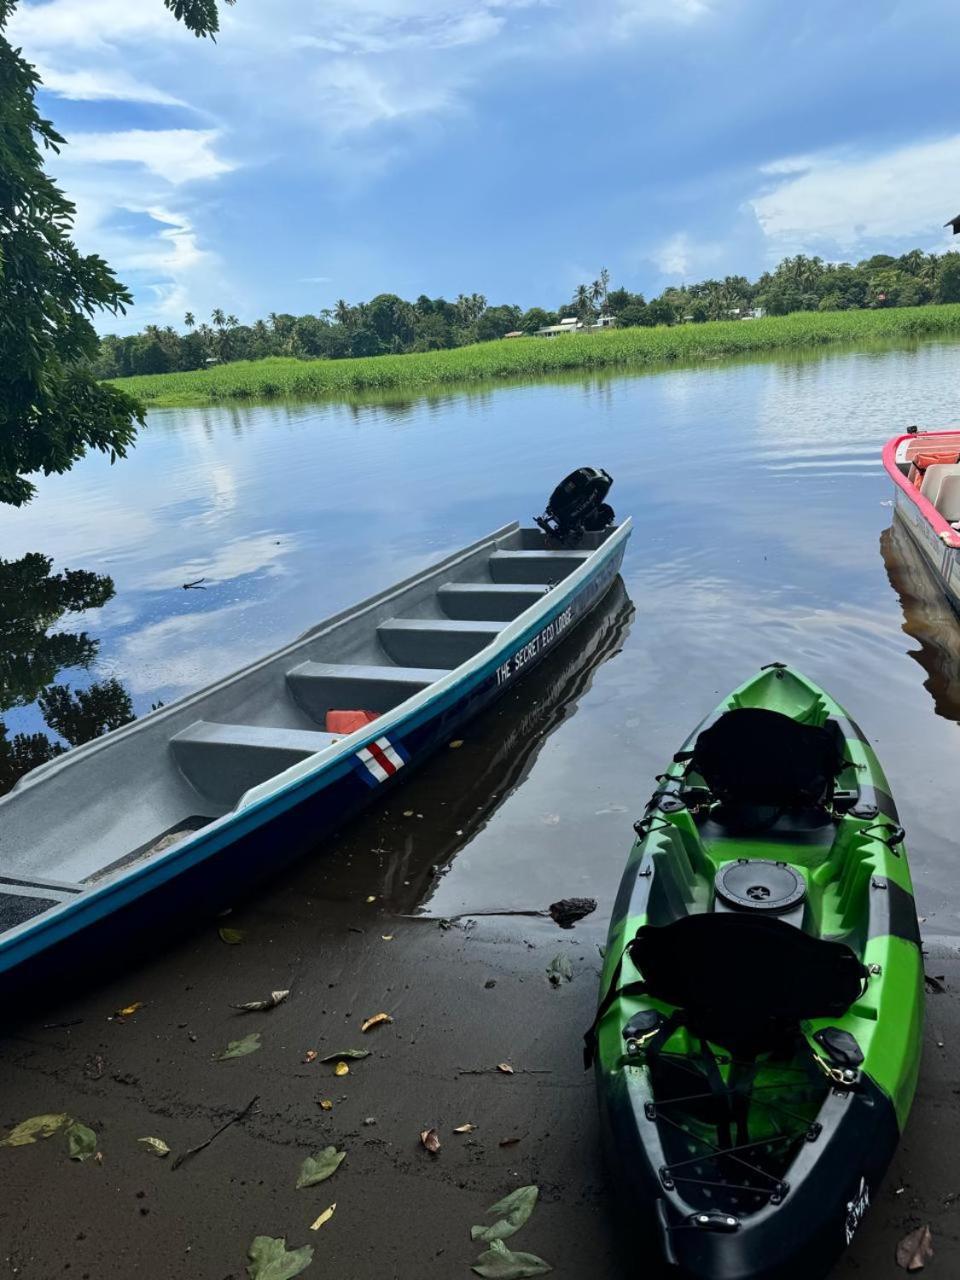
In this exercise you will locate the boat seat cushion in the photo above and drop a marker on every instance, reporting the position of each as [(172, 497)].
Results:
[(745, 979), (933, 479), (758, 757), (948, 499)]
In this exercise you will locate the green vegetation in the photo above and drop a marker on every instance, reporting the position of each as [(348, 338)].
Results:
[(388, 325), (52, 407), (527, 357)]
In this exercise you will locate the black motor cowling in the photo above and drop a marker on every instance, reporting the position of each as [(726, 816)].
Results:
[(577, 506)]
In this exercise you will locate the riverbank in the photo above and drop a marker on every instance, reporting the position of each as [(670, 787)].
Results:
[(530, 357)]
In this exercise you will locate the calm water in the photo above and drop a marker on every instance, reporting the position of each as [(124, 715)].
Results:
[(760, 508)]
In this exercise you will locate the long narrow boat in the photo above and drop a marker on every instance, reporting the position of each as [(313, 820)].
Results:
[(182, 809), (925, 469), (757, 1041)]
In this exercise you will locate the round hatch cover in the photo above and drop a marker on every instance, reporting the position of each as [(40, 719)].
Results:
[(757, 884)]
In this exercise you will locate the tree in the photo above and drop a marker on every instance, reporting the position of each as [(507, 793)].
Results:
[(948, 287), (604, 281), (52, 409), (189, 320)]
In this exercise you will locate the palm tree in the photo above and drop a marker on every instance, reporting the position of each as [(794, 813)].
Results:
[(342, 311), (596, 293), (582, 300), (188, 320), (232, 322), (218, 318), (604, 279)]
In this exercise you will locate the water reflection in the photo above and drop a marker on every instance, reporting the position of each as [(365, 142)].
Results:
[(33, 601), (927, 618)]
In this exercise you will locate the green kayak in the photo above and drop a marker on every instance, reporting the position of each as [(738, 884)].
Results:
[(757, 1041)]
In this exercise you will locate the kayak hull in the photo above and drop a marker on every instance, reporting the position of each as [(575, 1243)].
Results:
[(760, 1164)]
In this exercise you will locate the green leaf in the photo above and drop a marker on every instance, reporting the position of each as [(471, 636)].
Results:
[(240, 1048), (81, 1141), (271, 1260), (28, 1131), (230, 936), (511, 1212), (559, 968), (320, 1167), (500, 1263), (347, 1053)]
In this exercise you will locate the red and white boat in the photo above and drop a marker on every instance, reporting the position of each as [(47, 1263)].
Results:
[(925, 469)]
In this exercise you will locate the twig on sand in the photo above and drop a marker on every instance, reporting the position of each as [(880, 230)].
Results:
[(485, 1071), (233, 1120), (195, 585)]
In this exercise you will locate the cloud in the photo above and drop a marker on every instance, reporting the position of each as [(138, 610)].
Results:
[(90, 24), (103, 85), (673, 256), (844, 200), (176, 155)]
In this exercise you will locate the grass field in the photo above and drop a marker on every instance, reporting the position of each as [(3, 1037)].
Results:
[(530, 357)]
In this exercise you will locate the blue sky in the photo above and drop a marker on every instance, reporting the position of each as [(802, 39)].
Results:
[(340, 148)]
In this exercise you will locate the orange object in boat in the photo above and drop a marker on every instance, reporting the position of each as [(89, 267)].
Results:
[(345, 722)]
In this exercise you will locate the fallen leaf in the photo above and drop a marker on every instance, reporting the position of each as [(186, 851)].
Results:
[(240, 1048), (508, 1142), (271, 1260), (386, 937), (457, 742), (377, 1020), (129, 1010), (568, 911), (511, 1213), (324, 1217), (326, 1104), (430, 1140), (505, 1067), (257, 1006), (408, 813), (156, 1145), (352, 1054), (465, 1128), (341, 1069), (310, 1055), (371, 898), (500, 1263), (320, 1167), (81, 1141), (28, 1131), (230, 936), (559, 968), (915, 1249)]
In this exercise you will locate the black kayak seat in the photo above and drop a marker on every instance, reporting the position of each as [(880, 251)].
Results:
[(754, 756), (745, 978)]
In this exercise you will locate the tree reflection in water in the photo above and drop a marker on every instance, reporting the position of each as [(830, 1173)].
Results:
[(33, 600)]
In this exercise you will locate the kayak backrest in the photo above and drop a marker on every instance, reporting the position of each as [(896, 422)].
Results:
[(744, 979), (755, 756)]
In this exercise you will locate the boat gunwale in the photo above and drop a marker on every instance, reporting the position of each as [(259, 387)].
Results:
[(163, 865), (948, 535)]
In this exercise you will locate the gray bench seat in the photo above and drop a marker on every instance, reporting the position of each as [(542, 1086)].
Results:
[(435, 642), (492, 602), (223, 761), (534, 566)]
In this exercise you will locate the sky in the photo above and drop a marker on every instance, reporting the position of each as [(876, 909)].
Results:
[(326, 149)]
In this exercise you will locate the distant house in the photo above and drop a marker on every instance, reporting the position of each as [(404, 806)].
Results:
[(570, 324), (955, 224), (515, 333)]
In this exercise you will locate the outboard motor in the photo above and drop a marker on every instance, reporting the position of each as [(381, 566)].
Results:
[(577, 506)]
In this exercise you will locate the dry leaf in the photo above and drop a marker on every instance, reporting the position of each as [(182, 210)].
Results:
[(257, 1006), (915, 1249), (377, 1020), (505, 1067), (156, 1145), (465, 1128), (129, 1010), (372, 898), (430, 1140), (508, 1142), (310, 1055), (231, 936), (558, 969), (28, 1131), (408, 813), (324, 1217), (457, 742), (386, 937), (341, 1069), (326, 1104)]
